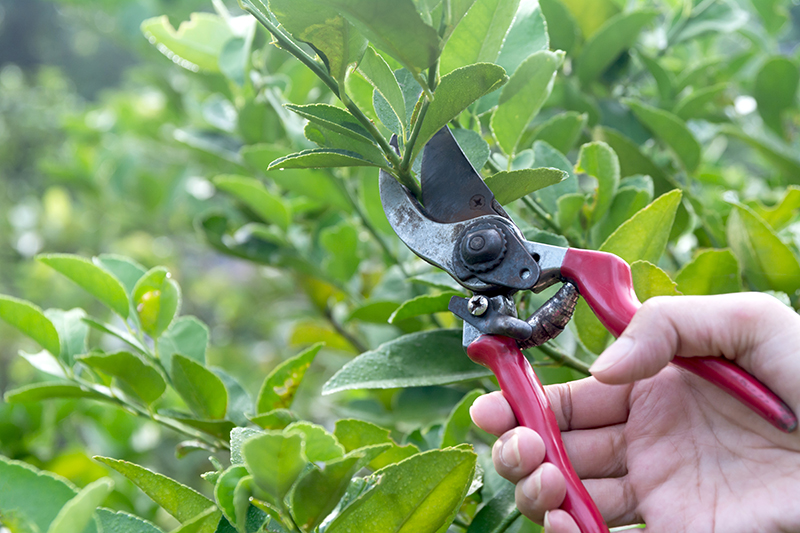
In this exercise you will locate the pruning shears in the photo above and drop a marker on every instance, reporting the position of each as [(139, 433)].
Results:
[(458, 226)]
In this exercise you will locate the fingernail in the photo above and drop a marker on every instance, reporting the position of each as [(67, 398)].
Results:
[(509, 453), (546, 521), (533, 487), (613, 355)]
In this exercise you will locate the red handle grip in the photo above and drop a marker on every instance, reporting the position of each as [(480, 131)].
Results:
[(604, 280), (525, 394)]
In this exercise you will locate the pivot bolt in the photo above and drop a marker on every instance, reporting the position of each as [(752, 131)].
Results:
[(478, 305)]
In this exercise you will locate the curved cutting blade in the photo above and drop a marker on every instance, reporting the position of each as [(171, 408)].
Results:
[(452, 190)]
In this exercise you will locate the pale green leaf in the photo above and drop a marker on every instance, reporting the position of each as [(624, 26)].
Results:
[(205, 522), (561, 132), (694, 104), (321, 158), (508, 186), (333, 118), (279, 387), (251, 192), (121, 522), (225, 488), (357, 435), (201, 389), (479, 36), (523, 96), (197, 43), (319, 445), (126, 270), (767, 262), (710, 272), (376, 71), (783, 212), (717, 17), (135, 374), (617, 35), (72, 331), (275, 419), (275, 460), (598, 160), (527, 35), (156, 298), (374, 312), (341, 243), (474, 147), (649, 281), (79, 511), (426, 358), (187, 336), (50, 391), (562, 28), (91, 278), (326, 138), (424, 304), (177, 499), (30, 320), (591, 15)]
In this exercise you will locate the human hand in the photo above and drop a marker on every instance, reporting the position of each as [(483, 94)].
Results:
[(668, 448)]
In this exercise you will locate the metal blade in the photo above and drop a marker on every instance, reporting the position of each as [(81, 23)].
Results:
[(452, 190)]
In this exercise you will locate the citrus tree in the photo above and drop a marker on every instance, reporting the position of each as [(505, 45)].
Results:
[(663, 132)]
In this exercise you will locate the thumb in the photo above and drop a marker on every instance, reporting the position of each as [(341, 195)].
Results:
[(731, 326)]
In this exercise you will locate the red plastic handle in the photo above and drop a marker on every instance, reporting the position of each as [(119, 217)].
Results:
[(526, 396), (604, 280)]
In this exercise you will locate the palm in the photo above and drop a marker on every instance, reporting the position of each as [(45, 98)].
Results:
[(692, 466)]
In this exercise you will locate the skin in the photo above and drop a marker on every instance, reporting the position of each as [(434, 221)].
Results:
[(655, 444)]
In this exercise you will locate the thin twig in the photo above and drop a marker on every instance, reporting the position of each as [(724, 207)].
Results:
[(349, 337), (563, 358)]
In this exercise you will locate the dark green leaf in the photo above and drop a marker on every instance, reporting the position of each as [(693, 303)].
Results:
[(426, 358), (280, 385), (598, 160), (240, 403), (326, 138), (664, 79), (333, 118), (422, 305), (357, 435), (671, 130), (492, 516), (177, 499), (380, 75), (428, 505), (157, 299), (93, 279), (251, 192), (523, 96), (768, 263), (473, 146), (138, 376), (456, 91), (780, 155), (218, 428), (201, 389), (631, 159), (319, 490), (509, 186), (374, 312), (775, 91), (197, 43), (561, 25), (459, 422), (710, 272), (479, 36), (321, 158), (614, 37), (121, 522)]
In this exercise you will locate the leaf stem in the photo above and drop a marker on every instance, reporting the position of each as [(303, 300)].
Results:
[(563, 358), (537, 209), (349, 337), (507, 521)]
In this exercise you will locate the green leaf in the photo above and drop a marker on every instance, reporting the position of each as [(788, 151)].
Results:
[(205, 522), (279, 387), (617, 35), (523, 96), (218, 428), (424, 304), (527, 35), (157, 299), (561, 25), (31, 496), (234, 59), (140, 377), (225, 488), (357, 435), (632, 161), (251, 192), (79, 511), (508, 186), (319, 445), (710, 272), (773, 13), (341, 243), (779, 215), (72, 332), (319, 490), (663, 78), (598, 160), (426, 358), (766, 261), (395, 27), (240, 403), (459, 422), (626, 203), (91, 278), (201, 389), (338, 43), (121, 522), (374, 312), (275, 460), (380, 75), (325, 138), (545, 155), (694, 104), (275, 419), (777, 153), (642, 237), (479, 36), (321, 158), (429, 504), (473, 146), (126, 270), (333, 118), (649, 281), (671, 130), (455, 92), (591, 15), (718, 17), (196, 45), (45, 362), (187, 336), (775, 91), (492, 516), (49, 391), (239, 436), (177, 499), (560, 132)]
